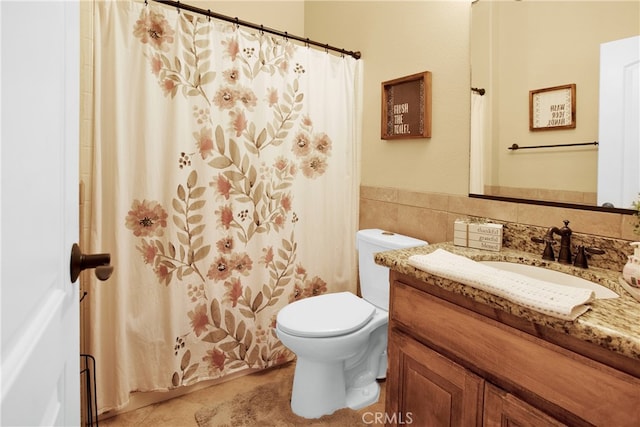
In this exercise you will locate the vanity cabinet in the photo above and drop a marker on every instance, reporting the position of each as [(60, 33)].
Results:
[(456, 362)]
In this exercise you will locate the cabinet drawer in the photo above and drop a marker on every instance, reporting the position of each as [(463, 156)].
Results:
[(556, 380)]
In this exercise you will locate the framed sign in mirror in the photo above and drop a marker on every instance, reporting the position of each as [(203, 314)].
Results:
[(406, 107), (552, 108)]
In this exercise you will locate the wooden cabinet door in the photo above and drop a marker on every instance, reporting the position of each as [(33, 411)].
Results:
[(427, 389), (502, 409)]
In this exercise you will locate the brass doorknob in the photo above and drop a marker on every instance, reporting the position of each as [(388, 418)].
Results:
[(80, 261)]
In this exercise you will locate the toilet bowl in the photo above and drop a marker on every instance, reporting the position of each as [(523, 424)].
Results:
[(337, 366), (340, 340)]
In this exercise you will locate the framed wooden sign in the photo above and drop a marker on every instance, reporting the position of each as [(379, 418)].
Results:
[(406, 107), (552, 108)]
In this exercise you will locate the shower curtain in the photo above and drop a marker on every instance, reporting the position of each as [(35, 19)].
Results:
[(477, 145), (225, 186)]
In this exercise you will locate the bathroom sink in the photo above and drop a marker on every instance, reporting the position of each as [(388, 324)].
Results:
[(553, 276)]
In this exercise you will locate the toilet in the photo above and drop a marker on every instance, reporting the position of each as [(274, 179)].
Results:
[(340, 340)]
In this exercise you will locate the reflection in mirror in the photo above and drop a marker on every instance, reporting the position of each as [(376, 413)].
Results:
[(523, 46)]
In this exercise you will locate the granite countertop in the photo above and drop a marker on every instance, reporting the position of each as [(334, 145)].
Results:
[(611, 323)]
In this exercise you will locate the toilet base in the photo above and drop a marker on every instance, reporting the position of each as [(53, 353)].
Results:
[(338, 371), (359, 397), (318, 388)]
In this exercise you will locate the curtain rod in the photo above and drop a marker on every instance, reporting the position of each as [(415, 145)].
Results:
[(177, 4)]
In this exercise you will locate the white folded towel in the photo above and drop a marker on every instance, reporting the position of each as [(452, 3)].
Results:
[(564, 302)]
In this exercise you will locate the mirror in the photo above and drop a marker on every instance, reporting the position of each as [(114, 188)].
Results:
[(518, 47)]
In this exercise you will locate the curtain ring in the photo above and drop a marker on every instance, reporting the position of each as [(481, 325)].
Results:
[(146, 3), (286, 36), (237, 23), (178, 8), (261, 30), (306, 43), (209, 14), (326, 48)]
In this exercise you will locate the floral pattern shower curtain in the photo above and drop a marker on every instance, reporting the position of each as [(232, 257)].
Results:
[(225, 177)]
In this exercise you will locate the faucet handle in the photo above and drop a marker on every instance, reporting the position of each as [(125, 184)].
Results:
[(542, 239), (548, 249), (583, 253), (594, 251)]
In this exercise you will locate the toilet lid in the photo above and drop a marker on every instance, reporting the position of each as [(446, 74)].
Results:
[(326, 315)]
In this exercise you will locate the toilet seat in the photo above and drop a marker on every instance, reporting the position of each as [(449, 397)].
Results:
[(326, 315)]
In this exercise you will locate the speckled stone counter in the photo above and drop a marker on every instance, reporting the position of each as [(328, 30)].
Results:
[(613, 324)]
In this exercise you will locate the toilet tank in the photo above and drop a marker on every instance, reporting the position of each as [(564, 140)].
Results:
[(374, 278)]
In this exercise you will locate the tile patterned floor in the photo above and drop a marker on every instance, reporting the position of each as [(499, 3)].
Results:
[(179, 411)]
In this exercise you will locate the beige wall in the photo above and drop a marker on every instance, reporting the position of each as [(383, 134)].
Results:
[(400, 38), (284, 15)]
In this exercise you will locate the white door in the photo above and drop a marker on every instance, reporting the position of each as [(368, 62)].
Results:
[(39, 217), (619, 127)]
